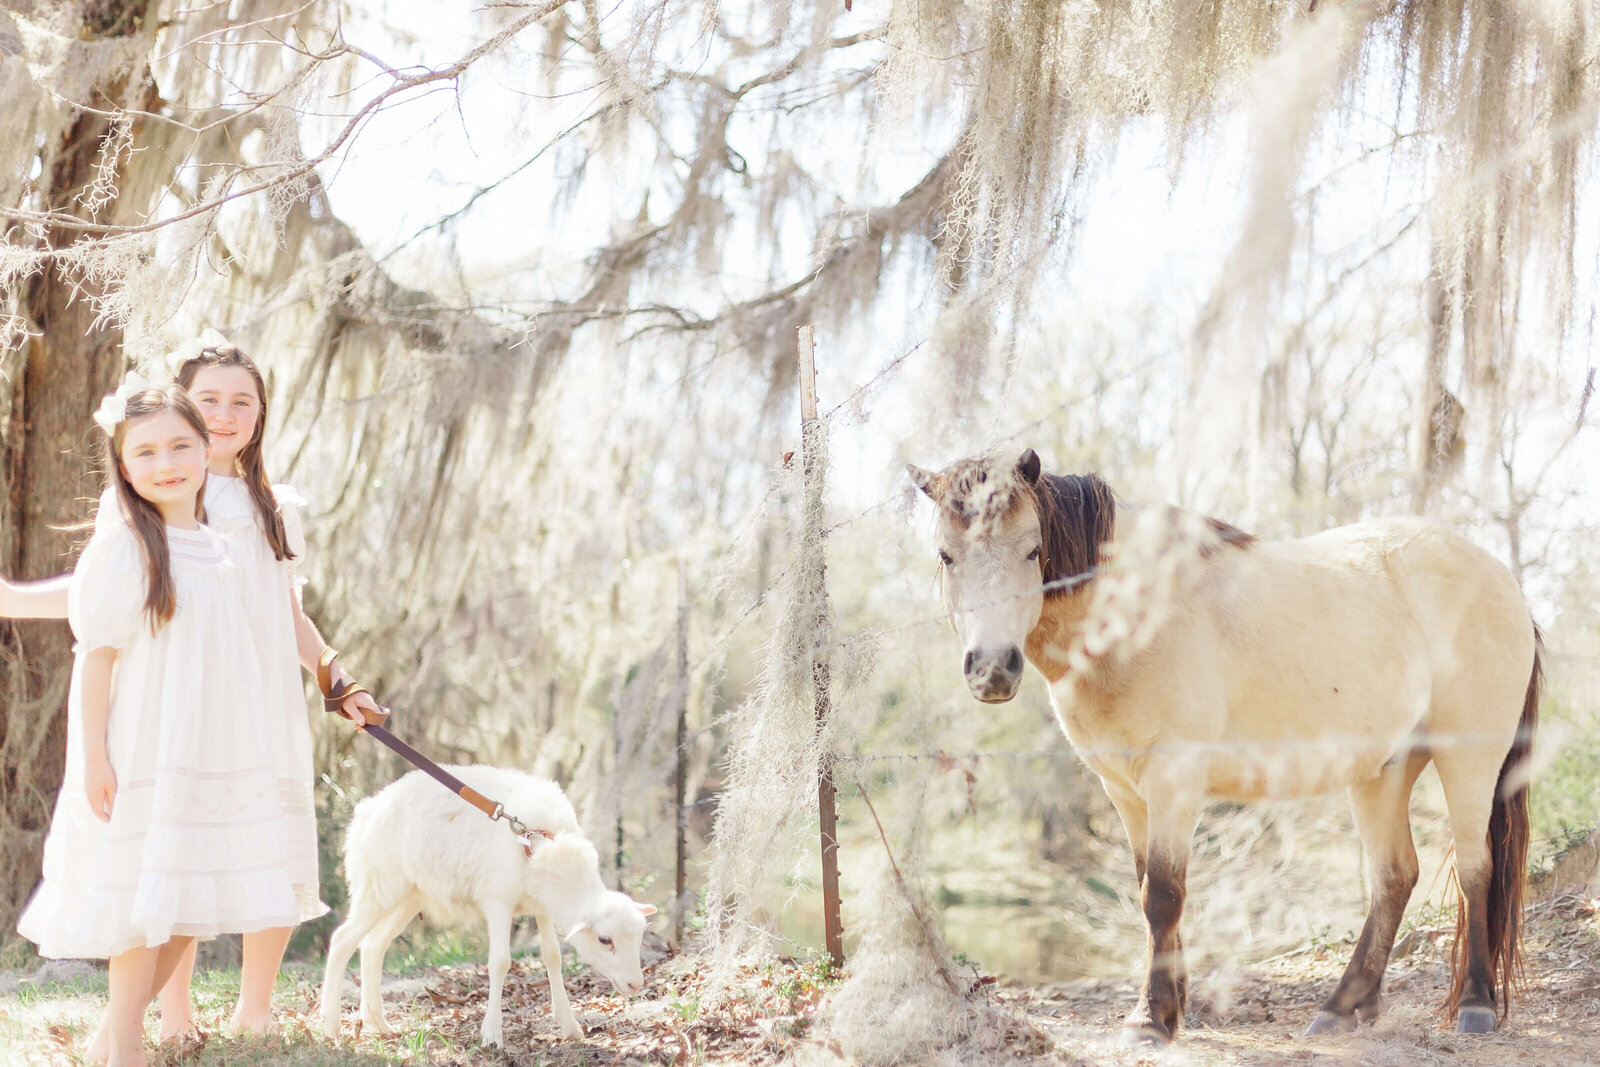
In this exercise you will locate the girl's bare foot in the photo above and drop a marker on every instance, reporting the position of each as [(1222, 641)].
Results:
[(183, 1047), (183, 1029), (254, 1025), (98, 1050)]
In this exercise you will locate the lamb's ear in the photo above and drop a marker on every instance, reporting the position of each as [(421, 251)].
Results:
[(1028, 466), (645, 909), (577, 928), (927, 481)]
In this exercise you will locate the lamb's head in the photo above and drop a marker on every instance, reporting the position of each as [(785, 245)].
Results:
[(607, 937), (603, 926)]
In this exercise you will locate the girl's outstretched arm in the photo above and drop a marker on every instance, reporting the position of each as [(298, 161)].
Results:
[(359, 707), (44, 599), (99, 780)]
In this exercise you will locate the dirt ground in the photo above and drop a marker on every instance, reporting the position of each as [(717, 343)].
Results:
[(769, 1015), (1254, 1015)]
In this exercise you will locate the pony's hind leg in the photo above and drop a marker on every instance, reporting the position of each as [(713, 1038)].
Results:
[(1381, 808), (1485, 934)]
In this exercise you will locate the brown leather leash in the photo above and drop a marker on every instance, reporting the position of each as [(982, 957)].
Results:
[(333, 699)]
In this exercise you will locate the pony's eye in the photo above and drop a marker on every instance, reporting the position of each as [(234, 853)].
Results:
[(944, 558), (1034, 554)]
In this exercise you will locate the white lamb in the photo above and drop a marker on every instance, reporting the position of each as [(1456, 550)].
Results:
[(415, 846)]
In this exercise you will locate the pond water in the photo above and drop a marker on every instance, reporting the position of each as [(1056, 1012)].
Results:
[(1028, 943)]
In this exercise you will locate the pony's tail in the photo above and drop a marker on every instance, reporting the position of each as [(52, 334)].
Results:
[(1508, 855)]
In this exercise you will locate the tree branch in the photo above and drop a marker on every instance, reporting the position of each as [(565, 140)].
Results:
[(65, 221)]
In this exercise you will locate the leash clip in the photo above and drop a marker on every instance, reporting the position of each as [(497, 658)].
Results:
[(518, 827)]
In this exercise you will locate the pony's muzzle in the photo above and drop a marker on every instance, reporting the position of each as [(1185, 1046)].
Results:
[(994, 675)]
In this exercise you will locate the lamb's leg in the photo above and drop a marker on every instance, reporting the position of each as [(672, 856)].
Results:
[(364, 915), (498, 918), (550, 952), (373, 948)]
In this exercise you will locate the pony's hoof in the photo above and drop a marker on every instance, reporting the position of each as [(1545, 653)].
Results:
[(1143, 1035), (1327, 1022), (1475, 1021)]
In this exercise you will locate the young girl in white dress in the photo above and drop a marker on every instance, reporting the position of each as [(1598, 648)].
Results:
[(169, 824), (262, 526)]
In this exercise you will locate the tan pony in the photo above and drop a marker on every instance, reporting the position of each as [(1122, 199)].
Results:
[(1188, 661)]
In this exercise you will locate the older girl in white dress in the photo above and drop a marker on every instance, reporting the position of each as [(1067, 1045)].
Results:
[(169, 825), (261, 523)]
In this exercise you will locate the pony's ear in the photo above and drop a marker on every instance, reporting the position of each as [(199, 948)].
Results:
[(1028, 466), (927, 481)]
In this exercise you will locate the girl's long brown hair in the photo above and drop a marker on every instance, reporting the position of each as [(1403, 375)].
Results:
[(151, 529), (251, 467)]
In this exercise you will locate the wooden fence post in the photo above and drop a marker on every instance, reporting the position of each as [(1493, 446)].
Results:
[(811, 440), (681, 777), (616, 757)]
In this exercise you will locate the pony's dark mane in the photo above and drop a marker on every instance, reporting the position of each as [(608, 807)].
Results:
[(1077, 514), (1227, 534)]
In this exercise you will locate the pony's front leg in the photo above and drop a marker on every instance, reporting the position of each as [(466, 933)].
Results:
[(1159, 1014), (1381, 808), (1135, 822)]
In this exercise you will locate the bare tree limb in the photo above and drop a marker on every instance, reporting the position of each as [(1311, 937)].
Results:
[(60, 220)]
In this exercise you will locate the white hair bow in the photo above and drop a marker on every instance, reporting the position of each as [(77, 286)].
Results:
[(114, 406), (209, 338)]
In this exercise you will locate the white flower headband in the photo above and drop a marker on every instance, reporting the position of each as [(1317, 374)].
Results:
[(114, 407)]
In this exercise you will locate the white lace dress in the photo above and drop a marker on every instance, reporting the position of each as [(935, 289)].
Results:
[(197, 842), (270, 584)]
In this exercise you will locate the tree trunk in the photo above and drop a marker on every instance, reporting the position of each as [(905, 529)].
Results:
[(49, 450), (1439, 443)]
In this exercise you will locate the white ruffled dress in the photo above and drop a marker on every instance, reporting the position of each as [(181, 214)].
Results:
[(270, 585), (197, 843)]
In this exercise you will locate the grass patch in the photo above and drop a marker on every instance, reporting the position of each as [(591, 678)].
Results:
[(412, 955), (1565, 794), (50, 1023)]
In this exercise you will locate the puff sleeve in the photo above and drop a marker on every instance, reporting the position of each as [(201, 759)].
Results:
[(109, 511), (106, 595), (290, 506)]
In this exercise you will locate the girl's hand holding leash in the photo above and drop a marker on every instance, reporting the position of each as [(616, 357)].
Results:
[(344, 695), (360, 708)]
